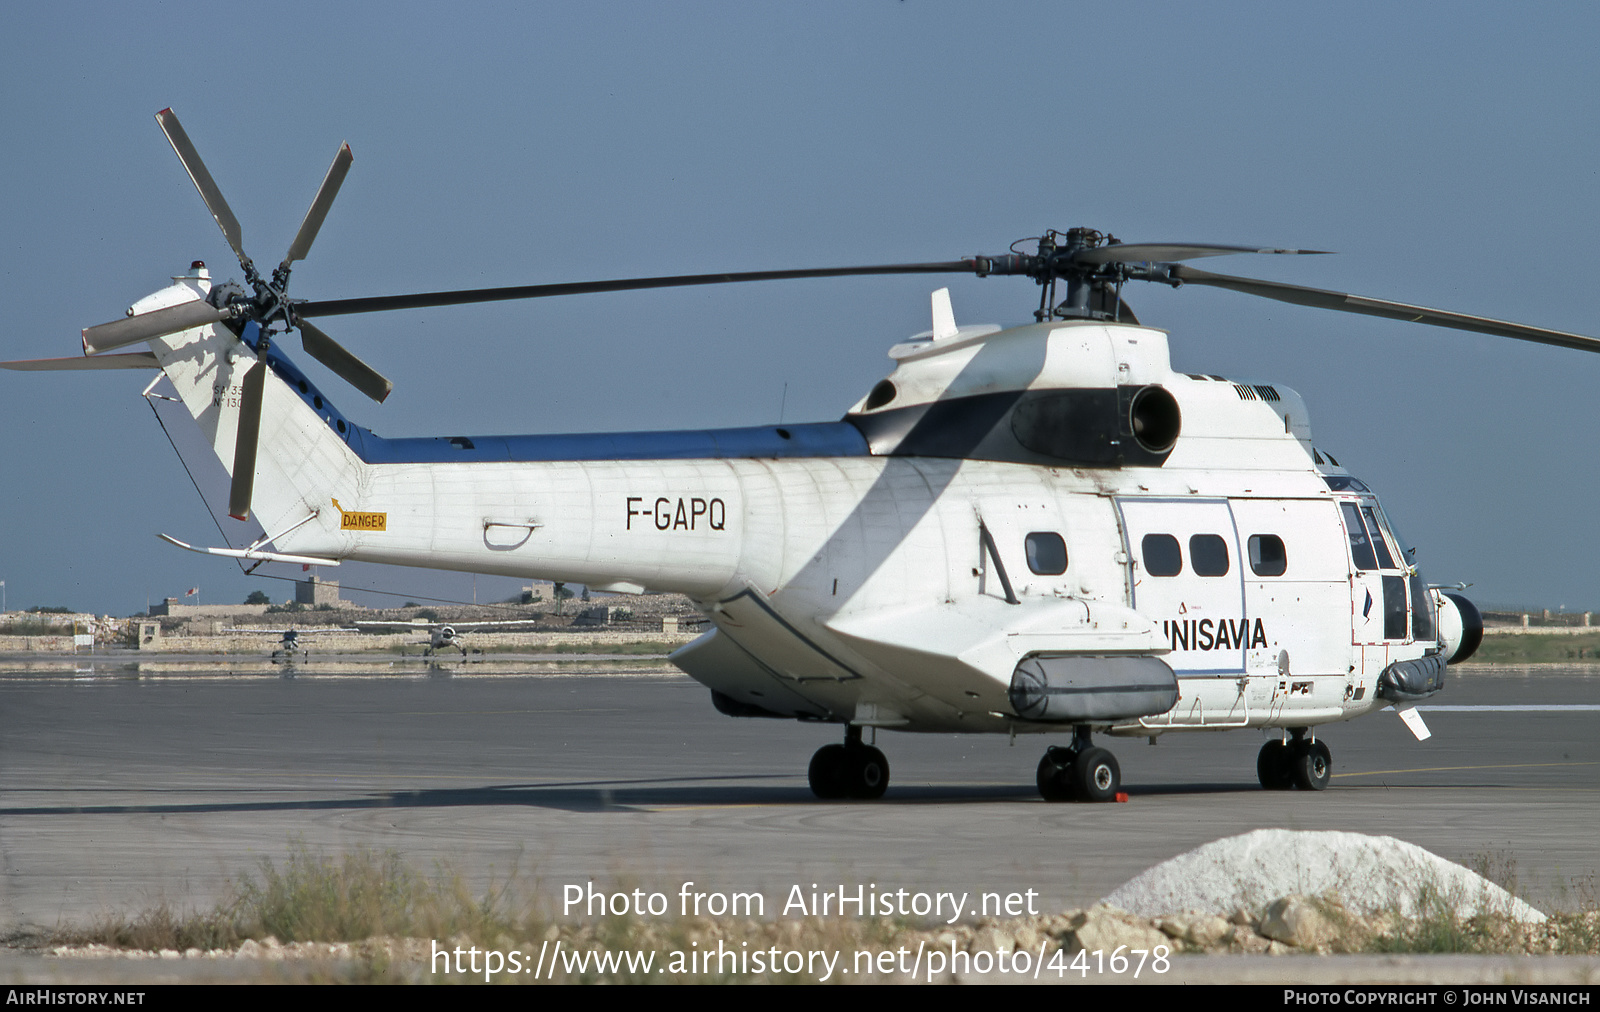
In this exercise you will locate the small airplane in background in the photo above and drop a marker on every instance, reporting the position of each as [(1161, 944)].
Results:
[(444, 635), (289, 639)]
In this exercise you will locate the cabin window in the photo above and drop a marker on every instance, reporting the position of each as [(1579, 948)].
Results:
[(1268, 557), (1208, 554), (1047, 553), (1162, 556)]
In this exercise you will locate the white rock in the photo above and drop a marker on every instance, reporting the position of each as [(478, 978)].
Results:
[(1368, 874), (1299, 921), (1105, 928), (991, 938)]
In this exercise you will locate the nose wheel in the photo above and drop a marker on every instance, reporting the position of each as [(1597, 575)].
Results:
[(851, 770), (1079, 772)]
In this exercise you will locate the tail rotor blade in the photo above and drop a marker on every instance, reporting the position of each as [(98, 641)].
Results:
[(245, 443), (338, 358), (151, 325), (319, 206), (209, 192)]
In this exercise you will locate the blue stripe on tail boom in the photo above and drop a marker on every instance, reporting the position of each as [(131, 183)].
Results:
[(811, 439)]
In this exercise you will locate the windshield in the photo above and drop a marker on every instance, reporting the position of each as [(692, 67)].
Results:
[(1423, 626)]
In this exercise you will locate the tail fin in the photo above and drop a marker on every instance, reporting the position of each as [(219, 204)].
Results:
[(301, 463)]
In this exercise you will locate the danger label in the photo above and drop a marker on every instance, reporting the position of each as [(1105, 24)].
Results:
[(349, 520)]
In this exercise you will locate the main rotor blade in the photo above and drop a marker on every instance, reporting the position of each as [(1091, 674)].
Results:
[(147, 326), (340, 307), (319, 205), (1321, 299), (209, 192), (1145, 252), (338, 358), (246, 441)]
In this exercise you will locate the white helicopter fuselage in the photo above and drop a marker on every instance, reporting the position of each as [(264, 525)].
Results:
[(992, 505)]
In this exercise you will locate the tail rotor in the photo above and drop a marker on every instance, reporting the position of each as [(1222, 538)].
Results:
[(269, 307)]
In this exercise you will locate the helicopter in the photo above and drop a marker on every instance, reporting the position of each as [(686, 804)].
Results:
[(1041, 529)]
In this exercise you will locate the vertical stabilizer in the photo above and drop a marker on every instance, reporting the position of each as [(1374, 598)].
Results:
[(301, 462)]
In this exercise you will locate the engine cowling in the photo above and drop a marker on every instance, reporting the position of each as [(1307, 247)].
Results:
[(1460, 626)]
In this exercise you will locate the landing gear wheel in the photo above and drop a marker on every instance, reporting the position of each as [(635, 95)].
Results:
[(826, 772), (1095, 775), (1054, 780), (1312, 765), (866, 773), (844, 771), (1273, 766)]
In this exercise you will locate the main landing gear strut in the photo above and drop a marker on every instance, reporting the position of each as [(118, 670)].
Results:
[(1295, 763), (851, 770), (1079, 772)]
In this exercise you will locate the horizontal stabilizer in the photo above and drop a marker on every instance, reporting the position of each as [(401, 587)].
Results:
[(248, 553)]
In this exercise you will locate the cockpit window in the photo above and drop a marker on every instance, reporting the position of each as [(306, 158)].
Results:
[(1385, 560), (1360, 544), (1422, 626), (1394, 608), (1343, 482)]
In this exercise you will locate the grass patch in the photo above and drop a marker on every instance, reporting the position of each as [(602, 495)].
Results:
[(367, 896), (36, 627), (1528, 648), (314, 898), (160, 928), (1438, 928), (362, 895), (641, 647), (377, 902)]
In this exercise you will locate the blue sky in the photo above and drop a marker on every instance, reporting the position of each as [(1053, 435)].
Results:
[(1448, 152)]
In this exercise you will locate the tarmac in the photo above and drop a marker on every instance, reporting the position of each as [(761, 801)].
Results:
[(126, 788)]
